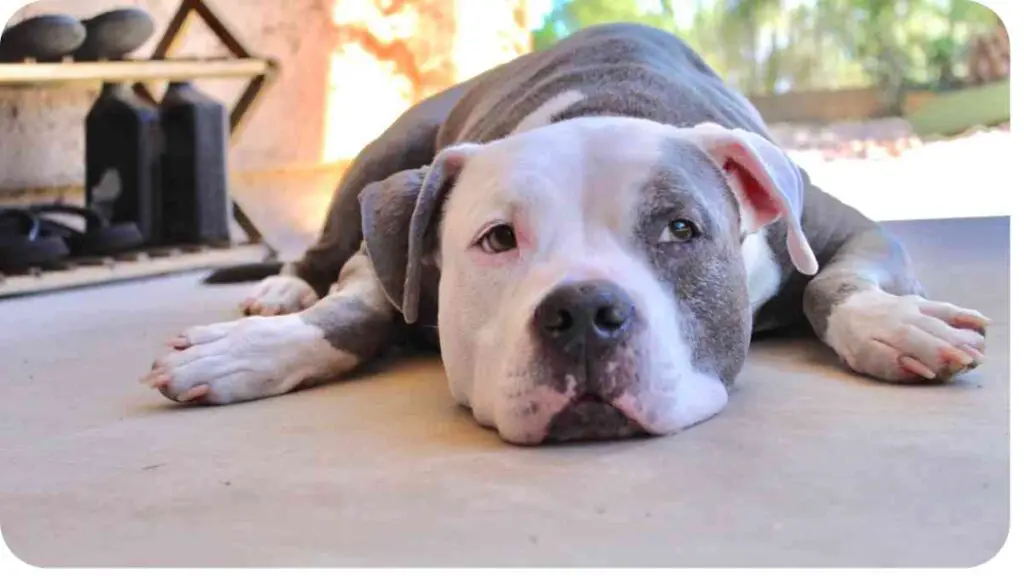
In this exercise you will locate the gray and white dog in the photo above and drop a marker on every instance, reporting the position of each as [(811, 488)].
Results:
[(591, 234)]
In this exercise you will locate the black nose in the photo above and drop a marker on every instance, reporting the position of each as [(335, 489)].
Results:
[(595, 313)]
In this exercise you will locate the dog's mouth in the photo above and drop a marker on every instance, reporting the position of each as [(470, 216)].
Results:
[(589, 417)]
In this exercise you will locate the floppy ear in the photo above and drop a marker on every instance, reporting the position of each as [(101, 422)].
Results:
[(397, 214), (767, 185)]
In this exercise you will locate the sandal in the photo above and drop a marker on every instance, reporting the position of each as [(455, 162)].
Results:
[(25, 244), (114, 35), (98, 238), (47, 38)]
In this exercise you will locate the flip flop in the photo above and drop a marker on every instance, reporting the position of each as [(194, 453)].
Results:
[(115, 34), (98, 238), (24, 244), (46, 38)]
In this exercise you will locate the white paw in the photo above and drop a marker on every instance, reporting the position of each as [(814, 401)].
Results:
[(277, 295), (906, 338), (244, 360)]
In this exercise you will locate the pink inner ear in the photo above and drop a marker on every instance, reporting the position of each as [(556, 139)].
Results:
[(760, 201)]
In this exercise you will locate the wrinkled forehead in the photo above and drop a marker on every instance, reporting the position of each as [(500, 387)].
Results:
[(597, 172)]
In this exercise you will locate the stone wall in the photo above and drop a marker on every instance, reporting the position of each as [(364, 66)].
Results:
[(348, 68)]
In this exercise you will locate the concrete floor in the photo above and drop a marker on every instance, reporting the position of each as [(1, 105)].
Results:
[(808, 465)]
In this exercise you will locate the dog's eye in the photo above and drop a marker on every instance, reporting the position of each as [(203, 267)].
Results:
[(501, 238), (678, 231)]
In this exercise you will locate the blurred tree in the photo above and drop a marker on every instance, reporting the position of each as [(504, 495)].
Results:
[(768, 46)]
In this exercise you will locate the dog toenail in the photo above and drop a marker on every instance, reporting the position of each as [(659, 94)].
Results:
[(194, 393)]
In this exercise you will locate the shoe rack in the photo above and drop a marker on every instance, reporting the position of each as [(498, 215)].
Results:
[(161, 66)]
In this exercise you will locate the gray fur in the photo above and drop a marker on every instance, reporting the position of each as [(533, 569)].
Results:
[(386, 211), (398, 217), (706, 274), (424, 220), (622, 70), (352, 326)]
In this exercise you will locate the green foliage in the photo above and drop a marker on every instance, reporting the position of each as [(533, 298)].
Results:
[(568, 16), (767, 46), (961, 110)]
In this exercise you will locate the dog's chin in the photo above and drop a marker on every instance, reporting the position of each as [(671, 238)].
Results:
[(589, 418)]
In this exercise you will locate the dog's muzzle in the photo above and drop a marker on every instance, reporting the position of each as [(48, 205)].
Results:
[(580, 326)]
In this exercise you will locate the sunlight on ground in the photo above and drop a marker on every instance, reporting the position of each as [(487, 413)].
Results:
[(940, 180)]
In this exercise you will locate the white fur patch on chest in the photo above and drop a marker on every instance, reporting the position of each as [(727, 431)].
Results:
[(545, 112), (763, 273)]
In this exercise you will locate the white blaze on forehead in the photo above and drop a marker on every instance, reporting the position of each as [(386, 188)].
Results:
[(584, 171), (544, 113)]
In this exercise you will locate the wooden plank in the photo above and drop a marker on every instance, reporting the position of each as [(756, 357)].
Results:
[(131, 71), (121, 270)]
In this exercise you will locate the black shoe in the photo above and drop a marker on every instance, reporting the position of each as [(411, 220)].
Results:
[(25, 244), (97, 237)]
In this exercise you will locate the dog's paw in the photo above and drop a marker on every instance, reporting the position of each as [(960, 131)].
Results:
[(244, 360), (906, 338), (278, 295)]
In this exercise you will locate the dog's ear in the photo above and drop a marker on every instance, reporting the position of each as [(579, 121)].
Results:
[(398, 214), (767, 185)]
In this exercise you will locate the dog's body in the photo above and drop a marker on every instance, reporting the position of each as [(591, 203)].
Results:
[(590, 234)]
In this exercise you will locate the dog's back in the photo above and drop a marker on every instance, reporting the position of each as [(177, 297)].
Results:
[(614, 69)]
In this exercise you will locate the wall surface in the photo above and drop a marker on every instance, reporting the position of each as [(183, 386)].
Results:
[(348, 68)]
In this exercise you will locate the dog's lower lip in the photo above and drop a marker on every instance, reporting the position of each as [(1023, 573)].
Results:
[(590, 417)]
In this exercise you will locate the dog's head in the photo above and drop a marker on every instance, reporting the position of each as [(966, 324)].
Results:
[(591, 281)]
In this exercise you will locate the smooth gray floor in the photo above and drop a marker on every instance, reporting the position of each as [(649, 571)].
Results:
[(808, 465)]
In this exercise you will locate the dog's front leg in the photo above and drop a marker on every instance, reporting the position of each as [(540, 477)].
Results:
[(867, 305), (259, 356)]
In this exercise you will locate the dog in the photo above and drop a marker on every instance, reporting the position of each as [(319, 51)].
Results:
[(590, 235)]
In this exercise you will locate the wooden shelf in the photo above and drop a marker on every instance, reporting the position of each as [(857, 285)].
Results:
[(29, 74), (143, 263)]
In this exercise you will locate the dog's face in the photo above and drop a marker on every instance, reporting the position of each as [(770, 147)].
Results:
[(592, 283)]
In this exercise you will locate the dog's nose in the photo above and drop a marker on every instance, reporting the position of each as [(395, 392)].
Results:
[(596, 313)]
